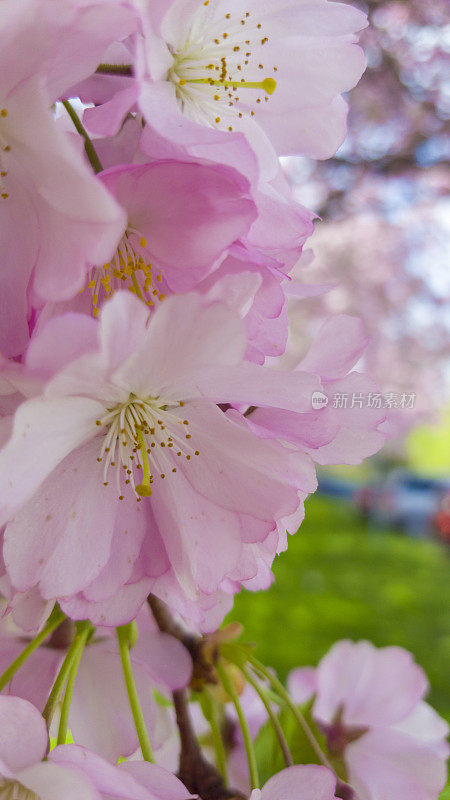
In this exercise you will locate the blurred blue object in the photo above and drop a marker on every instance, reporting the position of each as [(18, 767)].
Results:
[(334, 487), (403, 500)]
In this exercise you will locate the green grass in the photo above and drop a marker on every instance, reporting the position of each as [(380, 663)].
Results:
[(338, 580)]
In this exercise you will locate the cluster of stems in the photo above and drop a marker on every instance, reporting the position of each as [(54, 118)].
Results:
[(196, 772)]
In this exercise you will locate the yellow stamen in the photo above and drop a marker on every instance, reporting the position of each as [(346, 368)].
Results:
[(143, 489), (136, 286), (267, 85)]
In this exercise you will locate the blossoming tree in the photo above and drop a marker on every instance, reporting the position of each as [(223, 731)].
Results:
[(152, 456)]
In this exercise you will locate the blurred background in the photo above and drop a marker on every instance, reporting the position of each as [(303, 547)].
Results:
[(371, 559)]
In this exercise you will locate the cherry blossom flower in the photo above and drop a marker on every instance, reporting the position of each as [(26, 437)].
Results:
[(242, 67), (181, 218), (70, 771), (126, 464), (251, 276), (190, 221), (55, 215), (308, 782), (369, 704)]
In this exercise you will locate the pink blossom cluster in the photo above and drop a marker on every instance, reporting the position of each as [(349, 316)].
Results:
[(149, 444)]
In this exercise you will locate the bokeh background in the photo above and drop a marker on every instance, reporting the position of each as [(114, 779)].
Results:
[(372, 558)]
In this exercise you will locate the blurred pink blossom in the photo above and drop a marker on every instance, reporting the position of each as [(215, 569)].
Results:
[(369, 704)]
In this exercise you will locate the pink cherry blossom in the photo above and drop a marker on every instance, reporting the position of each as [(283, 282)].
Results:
[(369, 703), (70, 771), (135, 419), (181, 218), (253, 278), (308, 782), (55, 215), (243, 67)]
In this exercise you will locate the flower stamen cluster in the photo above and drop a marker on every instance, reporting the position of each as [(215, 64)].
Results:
[(144, 438), (215, 62), (129, 268)]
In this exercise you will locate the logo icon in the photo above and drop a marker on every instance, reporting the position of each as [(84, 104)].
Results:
[(319, 400)]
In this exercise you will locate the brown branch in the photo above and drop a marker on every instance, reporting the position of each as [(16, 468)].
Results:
[(197, 774), (203, 652)]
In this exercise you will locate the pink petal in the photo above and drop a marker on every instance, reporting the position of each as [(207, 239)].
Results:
[(301, 783), (128, 534), (188, 213), (374, 686), (53, 782), (167, 660), (386, 763), (239, 471), (100, 716), (35, 678), (205, 334), (185, 519), (302, 684), (131, 780), (336, 348), (49, 430), (425, 724), (162, 784), (120, 609), (61, 340), (23, 733), (62, 537), (19, 254)]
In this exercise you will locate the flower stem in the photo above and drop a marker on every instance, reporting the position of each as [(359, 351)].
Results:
[(279, 688), (246, 735), (55, 694), (88, 146), (136, 708), (84, 629), (209, 708), (53, 622), (264, 696)]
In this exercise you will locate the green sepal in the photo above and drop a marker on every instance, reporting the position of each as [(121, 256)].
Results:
[(130, 633), (237, 653), (161, 700)]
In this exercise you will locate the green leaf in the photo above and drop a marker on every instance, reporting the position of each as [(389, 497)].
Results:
[(268, 753), (445, 794)]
